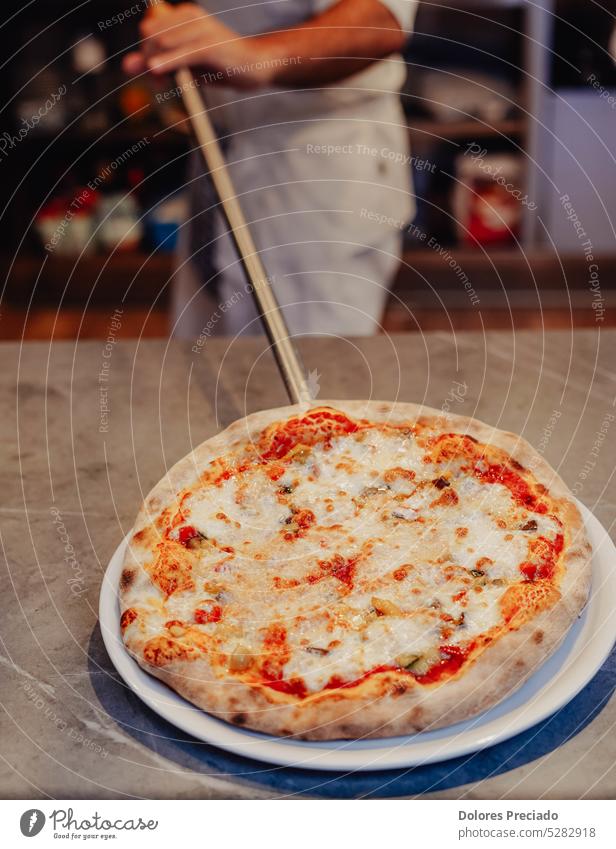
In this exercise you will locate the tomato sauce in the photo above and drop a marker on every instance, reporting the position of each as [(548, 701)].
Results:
[(275, 636), (449, 665), (547, 553), (522, 493), (203, 615), (275, 644), (293, 687), (447, 446), (338, 683), (452, 660), (301, 521), (342, 568), (316, 426), (186, 534), (229, 473)]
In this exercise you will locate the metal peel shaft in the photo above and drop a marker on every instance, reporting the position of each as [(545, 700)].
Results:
[(269, 311)]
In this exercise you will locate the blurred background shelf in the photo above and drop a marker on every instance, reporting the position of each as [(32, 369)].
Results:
[(161, 136), (47, 297), (121, 278), (535, 77), (139, 277), (472, 129)]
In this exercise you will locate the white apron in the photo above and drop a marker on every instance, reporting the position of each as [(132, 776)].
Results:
[(313, 170)]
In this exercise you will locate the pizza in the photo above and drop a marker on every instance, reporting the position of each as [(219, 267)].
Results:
[(351, 570)]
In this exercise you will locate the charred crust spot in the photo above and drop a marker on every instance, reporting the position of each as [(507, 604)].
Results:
[(398, 689), (538, 637), (126, 579), (129, 616), (417, 715), (517, 466), (239, 719), (441, 483), (531, 525)]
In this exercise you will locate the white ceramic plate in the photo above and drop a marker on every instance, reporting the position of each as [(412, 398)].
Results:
[(555, 683)]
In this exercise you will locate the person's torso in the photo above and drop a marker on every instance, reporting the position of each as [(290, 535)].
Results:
[(299, 148), (361, 94)]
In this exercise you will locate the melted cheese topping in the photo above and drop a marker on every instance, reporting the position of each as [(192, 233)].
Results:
[(365, 552)]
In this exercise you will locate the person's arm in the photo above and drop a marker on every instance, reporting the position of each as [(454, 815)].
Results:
[(342, 40)]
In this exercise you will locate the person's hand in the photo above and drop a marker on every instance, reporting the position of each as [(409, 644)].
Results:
[(177, 36)]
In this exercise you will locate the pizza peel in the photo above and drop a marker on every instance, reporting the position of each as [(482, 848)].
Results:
[(286, 356)]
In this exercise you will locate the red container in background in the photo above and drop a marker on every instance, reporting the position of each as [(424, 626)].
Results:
[(487, 196)]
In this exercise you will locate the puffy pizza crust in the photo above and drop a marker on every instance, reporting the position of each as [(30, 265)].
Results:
[(388, 703)]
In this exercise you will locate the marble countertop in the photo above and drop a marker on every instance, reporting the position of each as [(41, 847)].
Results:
[(94, 425)]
